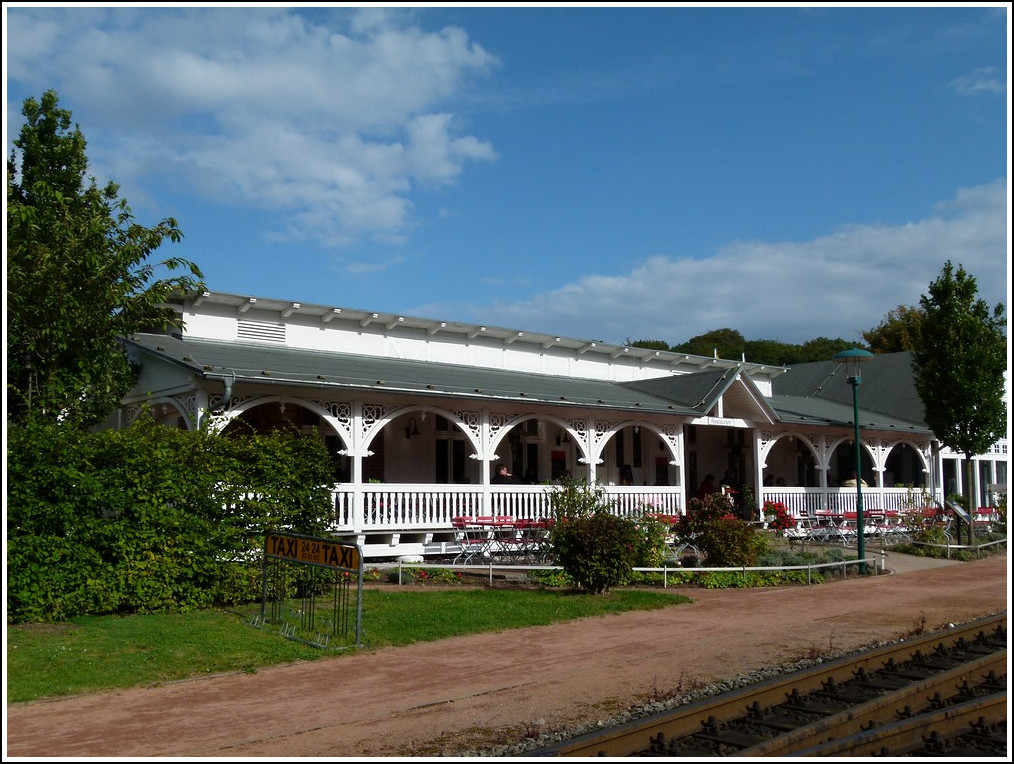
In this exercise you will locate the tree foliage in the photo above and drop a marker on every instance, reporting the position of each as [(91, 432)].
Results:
[(77, 276), (772, 352), (959, 366), (898, 332), (730, 344), (150, 519), (721, 343), (649, 344)]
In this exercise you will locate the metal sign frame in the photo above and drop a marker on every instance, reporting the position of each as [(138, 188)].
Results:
[(333, 567)]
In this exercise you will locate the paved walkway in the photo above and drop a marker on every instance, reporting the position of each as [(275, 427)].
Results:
[(896, 562)]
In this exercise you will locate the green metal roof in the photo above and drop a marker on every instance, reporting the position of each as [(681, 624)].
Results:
[(820, 391), (812, 394), (688, 394)]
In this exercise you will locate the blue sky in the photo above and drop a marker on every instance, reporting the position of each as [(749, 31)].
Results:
[(609, 173)]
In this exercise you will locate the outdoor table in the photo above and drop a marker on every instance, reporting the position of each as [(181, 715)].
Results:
[(832, 526), (531, 543), (485, 536)]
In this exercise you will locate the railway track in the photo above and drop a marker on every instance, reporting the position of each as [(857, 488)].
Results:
[(940, 694)]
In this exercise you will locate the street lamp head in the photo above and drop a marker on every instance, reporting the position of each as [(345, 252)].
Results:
[(853, 357)]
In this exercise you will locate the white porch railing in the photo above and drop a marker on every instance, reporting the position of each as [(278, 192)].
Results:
[(803, 502), (395, 507)]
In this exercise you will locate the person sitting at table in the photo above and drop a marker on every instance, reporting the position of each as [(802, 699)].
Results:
[(707, 487), (503, 476)]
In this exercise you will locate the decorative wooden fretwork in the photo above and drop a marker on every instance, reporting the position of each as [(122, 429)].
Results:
[(340, 410), (471, 419), (497, 422), (188, 403), (768, 437), (373, 413), (131, 412), (822, 445), (673, 435), (216, 400), (578, 426)]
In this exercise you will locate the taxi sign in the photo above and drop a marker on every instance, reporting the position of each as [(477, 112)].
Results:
[(314, 551)]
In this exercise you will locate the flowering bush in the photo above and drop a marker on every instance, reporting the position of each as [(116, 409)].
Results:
[(778, 517), (432, 575), (725, 540)]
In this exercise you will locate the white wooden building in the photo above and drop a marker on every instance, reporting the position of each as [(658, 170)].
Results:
[(418, 412)]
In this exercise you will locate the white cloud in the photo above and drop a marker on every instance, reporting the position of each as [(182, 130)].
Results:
[(834, 286), (983, 80), (330, 126)]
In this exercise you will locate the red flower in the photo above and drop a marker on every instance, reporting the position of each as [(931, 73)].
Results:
[(778, 515)]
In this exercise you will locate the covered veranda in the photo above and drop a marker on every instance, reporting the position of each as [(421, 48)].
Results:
[(415, 445)]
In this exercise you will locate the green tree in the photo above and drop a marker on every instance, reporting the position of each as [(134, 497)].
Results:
[(822, 349), (959, 367), (649, 344), (78, 278), (772, 352), (898, 332), (726, 343)]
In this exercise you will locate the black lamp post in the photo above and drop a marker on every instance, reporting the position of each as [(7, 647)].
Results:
[(854, 357)]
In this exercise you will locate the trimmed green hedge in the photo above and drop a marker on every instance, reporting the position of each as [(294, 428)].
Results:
[(150, 519)]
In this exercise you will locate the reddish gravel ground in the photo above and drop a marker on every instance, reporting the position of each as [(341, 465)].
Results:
[(472, 693)]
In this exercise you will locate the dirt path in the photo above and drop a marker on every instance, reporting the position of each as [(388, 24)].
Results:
[(473, 692)]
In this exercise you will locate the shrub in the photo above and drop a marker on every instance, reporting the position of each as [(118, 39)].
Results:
[(834, 555), (725, 540), (150, 519), (553, 578), (1000, 516), (596, 548), (651, 546), (933, 533), (430, 575)]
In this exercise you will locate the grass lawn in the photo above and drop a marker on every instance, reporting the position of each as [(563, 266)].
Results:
[(95, 653)]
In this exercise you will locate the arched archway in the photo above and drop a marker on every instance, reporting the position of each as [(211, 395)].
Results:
[(422, 444), (842, 463), (261, 416), (638, 452), (168, 412), (905, 466), (791, 461)]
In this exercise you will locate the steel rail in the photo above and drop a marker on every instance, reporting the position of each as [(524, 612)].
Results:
[(634, 737), (907, 736), (883, 710)]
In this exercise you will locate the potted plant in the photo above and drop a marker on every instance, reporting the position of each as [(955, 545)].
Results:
[(777, 516)]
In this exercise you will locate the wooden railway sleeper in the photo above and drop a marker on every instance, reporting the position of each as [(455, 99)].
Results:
[(796, 697), (773, 731), (886, 709), (905, 737)]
